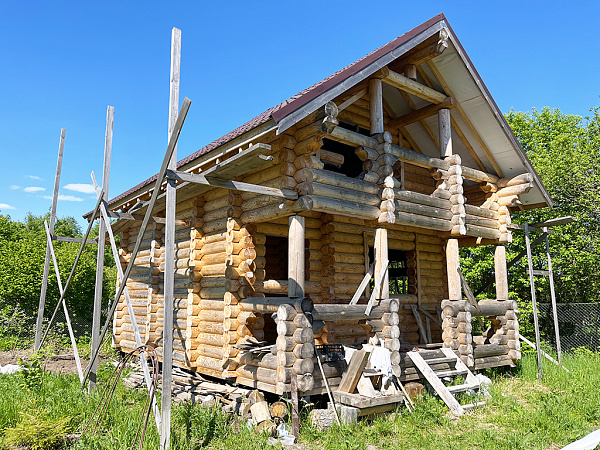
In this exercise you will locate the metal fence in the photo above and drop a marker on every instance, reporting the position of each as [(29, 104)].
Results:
[(579, 325)]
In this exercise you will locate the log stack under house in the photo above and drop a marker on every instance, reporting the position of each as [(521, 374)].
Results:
[(336, 217)]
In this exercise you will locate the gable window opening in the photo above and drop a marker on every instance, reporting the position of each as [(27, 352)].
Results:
[(349, 163)]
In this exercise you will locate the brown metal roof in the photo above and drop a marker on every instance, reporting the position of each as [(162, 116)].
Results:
[(285, 108)]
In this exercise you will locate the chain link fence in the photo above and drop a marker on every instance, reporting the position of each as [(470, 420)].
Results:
[(579, 325)]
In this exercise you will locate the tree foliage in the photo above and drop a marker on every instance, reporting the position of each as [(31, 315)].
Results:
[(565, 151), (22, 255)]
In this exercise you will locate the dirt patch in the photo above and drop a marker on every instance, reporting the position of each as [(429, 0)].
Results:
[(62, 363)]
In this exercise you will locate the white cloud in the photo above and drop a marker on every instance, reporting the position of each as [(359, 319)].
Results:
[(79, 187), (67, 198), (34, 177), (14, 187), (6, 206), (33, 189)]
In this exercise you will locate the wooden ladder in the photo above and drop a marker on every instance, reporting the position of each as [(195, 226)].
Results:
[(457, 368)]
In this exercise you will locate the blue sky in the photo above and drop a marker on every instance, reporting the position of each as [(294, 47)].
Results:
[(64, 62)]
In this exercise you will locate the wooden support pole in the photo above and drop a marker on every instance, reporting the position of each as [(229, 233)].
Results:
[(62, 296), (155, 193), (165, 426), (445, 133), (376, 105), (553, 297), (133, 320), (64, 305), (501, 273), (97, 313), (533, 300), (296, 256), (42, 303), (381, 290), (453, 264)]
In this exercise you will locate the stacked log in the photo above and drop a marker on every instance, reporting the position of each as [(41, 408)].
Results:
[(206, 307), (507, 195), (140, 282), (505, 337), (454, 181), (327, 251), (182, 286), (457, 329), (153, 296), (295, 349)]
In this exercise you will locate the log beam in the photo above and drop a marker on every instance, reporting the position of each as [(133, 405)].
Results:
[(423, 113), (412, 87)]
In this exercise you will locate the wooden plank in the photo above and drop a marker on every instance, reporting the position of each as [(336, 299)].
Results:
[(539, 273), (469, 294), (72, 239), (554, 222), (169, 277), (97, 311), (380, 280), (42, 302), (228, 184), (363, 285), (353, 372), (160, 177), (361, 401), (365, 387), (64, 305), (351, 100), (128, 303), (419, 321), (546, 355), (436, 383)]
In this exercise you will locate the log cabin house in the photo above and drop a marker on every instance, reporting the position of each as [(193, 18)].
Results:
[(385, 168)]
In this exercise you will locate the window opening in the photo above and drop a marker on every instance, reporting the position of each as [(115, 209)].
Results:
[(352, 166), (397, 271), (276, 258)]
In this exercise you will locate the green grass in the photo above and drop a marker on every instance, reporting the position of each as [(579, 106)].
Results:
[(523, 413)]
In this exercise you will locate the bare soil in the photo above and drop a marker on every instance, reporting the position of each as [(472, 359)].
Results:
[(62, 363)]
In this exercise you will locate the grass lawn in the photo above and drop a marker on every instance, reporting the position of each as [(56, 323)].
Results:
[(523, 413)]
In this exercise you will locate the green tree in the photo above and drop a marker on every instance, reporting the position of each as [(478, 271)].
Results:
[(22, 255), (565, 151)]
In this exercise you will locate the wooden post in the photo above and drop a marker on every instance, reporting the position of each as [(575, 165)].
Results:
[(533, 300), (296, 257), (501, 273), (553, 297), (445, 133), (453, 264), (42, 304), (134, 326), (381, 260), (97, 314), (165, 426), (64, 305), (376, 105)]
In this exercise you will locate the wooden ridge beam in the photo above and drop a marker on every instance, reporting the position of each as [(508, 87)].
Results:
[(412, 87), (423, 113)]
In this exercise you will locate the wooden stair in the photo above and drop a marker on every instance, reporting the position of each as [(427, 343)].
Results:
[(435, 379)]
